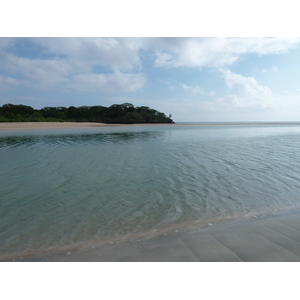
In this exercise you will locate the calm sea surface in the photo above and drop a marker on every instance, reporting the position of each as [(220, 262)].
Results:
[(64, 186)]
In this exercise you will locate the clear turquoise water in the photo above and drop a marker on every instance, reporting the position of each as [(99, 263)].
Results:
[(64, 186)]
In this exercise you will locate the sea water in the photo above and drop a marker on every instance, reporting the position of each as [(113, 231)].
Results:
[(63, 186)]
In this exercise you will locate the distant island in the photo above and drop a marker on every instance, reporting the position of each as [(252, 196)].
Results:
[(124, 113)]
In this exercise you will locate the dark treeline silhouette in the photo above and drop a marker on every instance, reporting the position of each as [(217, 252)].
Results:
[(116, 113)]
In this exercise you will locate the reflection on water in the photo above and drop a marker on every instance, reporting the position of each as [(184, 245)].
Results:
[(61, 187), (28, 141)]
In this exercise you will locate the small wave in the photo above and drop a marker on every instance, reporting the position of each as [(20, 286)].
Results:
[(63, 188)]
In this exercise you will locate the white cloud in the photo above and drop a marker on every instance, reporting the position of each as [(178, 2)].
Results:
[(70, 74), (193, 89), (39, 73), (108, 83), (163, 59), (273, 69), (173, 85), (115, 53), (6, 43), (70, 63), (215, 52), (124, 54), (265, 46), (8, 83), (195, 52), (247, 91)]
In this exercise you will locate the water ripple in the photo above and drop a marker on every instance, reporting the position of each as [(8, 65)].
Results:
[(63, 188)]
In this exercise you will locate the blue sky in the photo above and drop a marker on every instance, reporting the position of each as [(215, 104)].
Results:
[(194, 79)]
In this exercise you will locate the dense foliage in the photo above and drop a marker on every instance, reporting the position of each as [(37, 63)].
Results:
[(117, 113)]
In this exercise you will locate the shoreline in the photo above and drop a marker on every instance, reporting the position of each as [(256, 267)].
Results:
[(274, 237), (10, 126), (13, 126)]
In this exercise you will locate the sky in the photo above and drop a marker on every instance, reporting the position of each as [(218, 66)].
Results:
[(194, 79)]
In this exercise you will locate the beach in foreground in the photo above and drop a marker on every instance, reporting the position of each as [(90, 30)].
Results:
[(273, 238)]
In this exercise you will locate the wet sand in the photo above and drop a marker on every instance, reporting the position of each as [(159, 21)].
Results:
[(275, 238)]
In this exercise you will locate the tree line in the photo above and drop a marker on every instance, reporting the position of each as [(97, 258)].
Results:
[(117, 113)]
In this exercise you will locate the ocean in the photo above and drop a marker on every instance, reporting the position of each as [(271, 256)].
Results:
[(65, 186)]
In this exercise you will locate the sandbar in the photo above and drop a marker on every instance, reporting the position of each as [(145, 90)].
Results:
[(47, 125), (9, 126)]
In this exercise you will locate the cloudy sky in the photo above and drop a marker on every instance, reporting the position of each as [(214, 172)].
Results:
[(194, 79)]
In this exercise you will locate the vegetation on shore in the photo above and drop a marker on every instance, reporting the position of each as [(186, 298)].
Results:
[(117, 113)]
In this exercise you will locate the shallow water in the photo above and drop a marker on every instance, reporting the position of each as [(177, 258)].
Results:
[(64, 186)]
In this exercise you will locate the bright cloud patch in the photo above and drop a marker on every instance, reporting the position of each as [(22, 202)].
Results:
[(216, 52), (8, 83), (108, 83), (273, 69), (39, 73), (193, 89), (115, 53), (248, 92)]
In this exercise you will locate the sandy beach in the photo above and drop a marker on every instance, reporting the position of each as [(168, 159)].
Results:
[(46, 125), (273, 238), (9, 126)]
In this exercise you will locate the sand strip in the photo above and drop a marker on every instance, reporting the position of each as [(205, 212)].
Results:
[(274, 238), (9, 126), (53, 125), (47, 125)]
